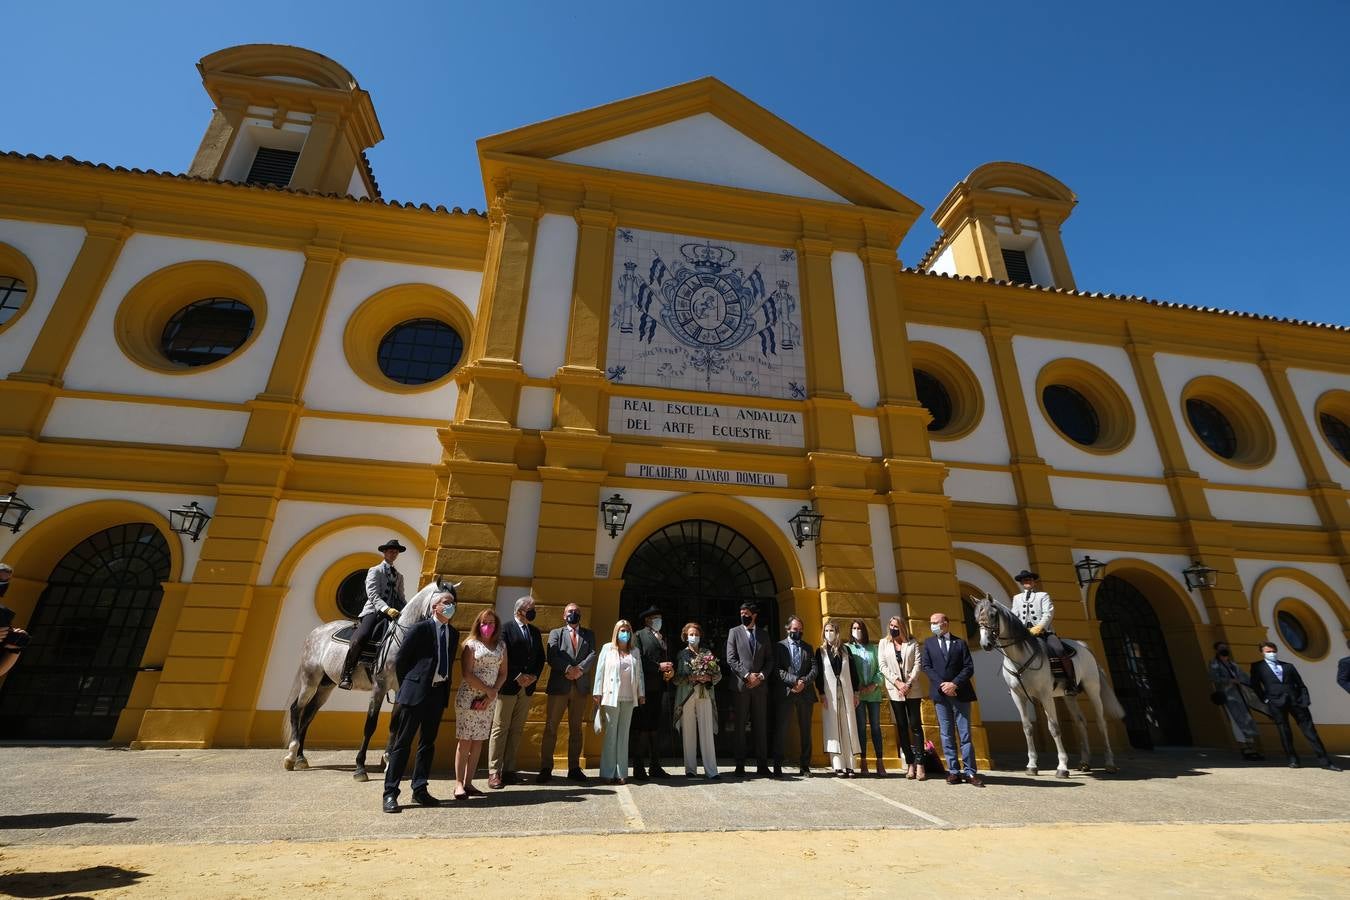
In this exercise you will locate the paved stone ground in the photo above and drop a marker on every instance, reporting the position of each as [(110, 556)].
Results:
[(88, 796)]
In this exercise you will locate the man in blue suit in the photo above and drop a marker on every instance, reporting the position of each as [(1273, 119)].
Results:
[(946, 661), (424, 663)]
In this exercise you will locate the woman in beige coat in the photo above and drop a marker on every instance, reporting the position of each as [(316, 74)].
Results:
[(898, 656)]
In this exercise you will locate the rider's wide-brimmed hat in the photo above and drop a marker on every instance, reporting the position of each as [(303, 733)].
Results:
[(650, 611), (392, 544), (1024, 575)]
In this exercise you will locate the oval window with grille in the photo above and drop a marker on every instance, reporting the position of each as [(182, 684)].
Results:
[(206, 331)]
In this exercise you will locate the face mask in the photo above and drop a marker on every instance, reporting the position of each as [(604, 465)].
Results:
[(895, 632), (1270, 657), (937, 629), (573, 618), (487, 629), (795, 636), (745, 620), (623, 636), (857, 634), (656, 624), (529, 614), (693, 640), (448, 610), (1224, 652), (830, 636)]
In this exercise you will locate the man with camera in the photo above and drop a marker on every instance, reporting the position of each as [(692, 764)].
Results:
[(12, 640)]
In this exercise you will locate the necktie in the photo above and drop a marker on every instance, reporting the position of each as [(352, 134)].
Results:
[(945, 647), (442, 654), (796, 657), (751, 632), (574, 642)]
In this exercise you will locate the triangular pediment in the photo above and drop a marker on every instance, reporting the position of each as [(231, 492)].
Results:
[(702, 132)]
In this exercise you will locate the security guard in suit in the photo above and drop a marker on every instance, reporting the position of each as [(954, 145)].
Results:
[(384, 600), (1037, 611)]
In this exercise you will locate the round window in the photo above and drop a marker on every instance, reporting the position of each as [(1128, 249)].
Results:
[(1072, 413), (351, 594), (933, 395), (13, 294), (1292, 631), (1337, 434), (419, 351), (206, 331), (1212, 427)]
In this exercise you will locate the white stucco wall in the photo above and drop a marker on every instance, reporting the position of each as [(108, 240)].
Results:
[(1011, 557), (535, 408), (51, 249), (1254, 506), (1308, 386), (867, 436), (1101, 495), (297, 518), (144, 423), (883, 553), (854, 319), (987, 442), (368, 440), (522, 529), (701, 148), (980, 486), (1177, 371), (548, 307), (332, 384), (945, 264), (1139, 457), (98, 364)]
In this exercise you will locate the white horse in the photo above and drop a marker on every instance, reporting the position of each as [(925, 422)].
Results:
[(1027, 673), (320, 670)]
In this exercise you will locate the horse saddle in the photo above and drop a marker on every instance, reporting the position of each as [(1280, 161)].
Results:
[(372, 648)]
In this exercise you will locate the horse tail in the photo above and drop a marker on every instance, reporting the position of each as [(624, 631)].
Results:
[(292, 699), (1110, 705)]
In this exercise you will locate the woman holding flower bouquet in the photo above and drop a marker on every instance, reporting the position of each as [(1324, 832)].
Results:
[(618, 689), (483, 664), (696, 674)]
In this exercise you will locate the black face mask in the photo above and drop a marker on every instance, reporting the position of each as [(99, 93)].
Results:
[(573, 618), (1224, 653), (529, 614), (895, 632), (745, 620), (795, 636)]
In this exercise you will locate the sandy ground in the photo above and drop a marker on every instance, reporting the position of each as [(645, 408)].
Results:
[(1294, 860)]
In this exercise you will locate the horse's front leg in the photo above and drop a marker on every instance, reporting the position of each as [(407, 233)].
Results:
[(372, 717), (1024, 712), (1047, 702)]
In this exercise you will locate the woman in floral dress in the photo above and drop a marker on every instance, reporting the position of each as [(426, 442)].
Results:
[(483, 664)]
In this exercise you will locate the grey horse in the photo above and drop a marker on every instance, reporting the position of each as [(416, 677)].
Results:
[(1026, 671), (321, 666)]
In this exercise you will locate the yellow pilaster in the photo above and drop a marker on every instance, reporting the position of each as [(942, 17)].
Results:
[(829, 421), (581, 381), (314, 156)]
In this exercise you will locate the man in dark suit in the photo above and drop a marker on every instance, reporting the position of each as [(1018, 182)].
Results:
[(750, 659), (651, 720), (571, 658), (946, 661), (794, 693), (525, 662), (1281, 686), (424, 664)]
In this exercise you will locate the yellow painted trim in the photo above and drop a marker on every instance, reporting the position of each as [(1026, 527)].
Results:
[(325, 591), (1115, 414), (770, 538), (375, 418), (180, 402), (992, 568), (16, 265), (396, 527), (1319, 642), (147, 308), (961, 384), (1333, 599), (1251, 426), (43, 545), (1151, 580), (1333, 403), (392, 306)]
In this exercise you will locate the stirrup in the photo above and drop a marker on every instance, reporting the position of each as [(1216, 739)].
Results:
[(346, 681)]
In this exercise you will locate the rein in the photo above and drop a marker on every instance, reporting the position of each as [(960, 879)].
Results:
[(1037, 654)]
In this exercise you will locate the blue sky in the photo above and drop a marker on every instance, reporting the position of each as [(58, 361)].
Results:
[(1205, 140)]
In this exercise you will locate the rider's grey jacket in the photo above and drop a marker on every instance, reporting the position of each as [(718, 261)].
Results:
[(1034, 608), (384, 588)]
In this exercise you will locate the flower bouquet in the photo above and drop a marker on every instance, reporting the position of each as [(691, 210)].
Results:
[(703, 665)]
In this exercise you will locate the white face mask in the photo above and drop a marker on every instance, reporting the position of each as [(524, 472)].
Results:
[(937, 629), (693, 640), (857, 634), (830, 635), (1270, 657), (656, 624)]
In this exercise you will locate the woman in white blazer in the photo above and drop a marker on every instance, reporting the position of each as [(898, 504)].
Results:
[(617, 688), (898, 656)]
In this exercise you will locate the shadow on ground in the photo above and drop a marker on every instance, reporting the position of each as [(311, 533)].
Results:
[(68, 884)]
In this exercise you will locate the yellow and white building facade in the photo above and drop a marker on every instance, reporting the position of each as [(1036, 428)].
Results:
[(678, 299)]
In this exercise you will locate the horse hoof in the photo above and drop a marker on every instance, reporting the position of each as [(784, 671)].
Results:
[(1085, 768), (301, 763), (288, 764), (1061, 773), (1031, 771), (1110, 770), (360, 776)]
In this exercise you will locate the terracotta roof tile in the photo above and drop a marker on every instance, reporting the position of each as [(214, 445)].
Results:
[(237, 185), (370, 173), (931, 253), (1130, 298)]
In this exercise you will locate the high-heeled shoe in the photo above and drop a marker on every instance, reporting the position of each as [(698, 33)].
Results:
[(920, 774), (909, 772)]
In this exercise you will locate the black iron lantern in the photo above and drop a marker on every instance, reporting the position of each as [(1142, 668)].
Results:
[(1199, 575), (188, 520), (805, 525), (614, 513), (13, 511), (1089, 571)]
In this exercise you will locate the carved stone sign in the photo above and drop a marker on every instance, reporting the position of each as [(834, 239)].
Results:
[(698, 421)]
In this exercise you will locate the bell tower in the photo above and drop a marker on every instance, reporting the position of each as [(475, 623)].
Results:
[(289, 117), (1002, 221)]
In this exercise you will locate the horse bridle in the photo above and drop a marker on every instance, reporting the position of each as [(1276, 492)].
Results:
[(1000, 645)]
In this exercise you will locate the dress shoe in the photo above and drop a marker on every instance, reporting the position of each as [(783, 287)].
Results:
[(656, 772), (804, 772), (714, 777), (839, 773), (849, 773), (543, 777), (495, 782), (975, 780), (391, 805), (777, 771), (576, 775), (424, 798), (1294, 763), (763, 772), (953, 778), (688, 774), (1330, 766), (639, 773), (740, 772)]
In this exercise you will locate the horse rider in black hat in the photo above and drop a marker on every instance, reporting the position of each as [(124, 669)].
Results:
[(384, 600), (1037, 611)]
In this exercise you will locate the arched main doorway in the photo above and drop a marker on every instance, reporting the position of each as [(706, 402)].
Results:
[(700, 571), (1141, 668), (89, 631)]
